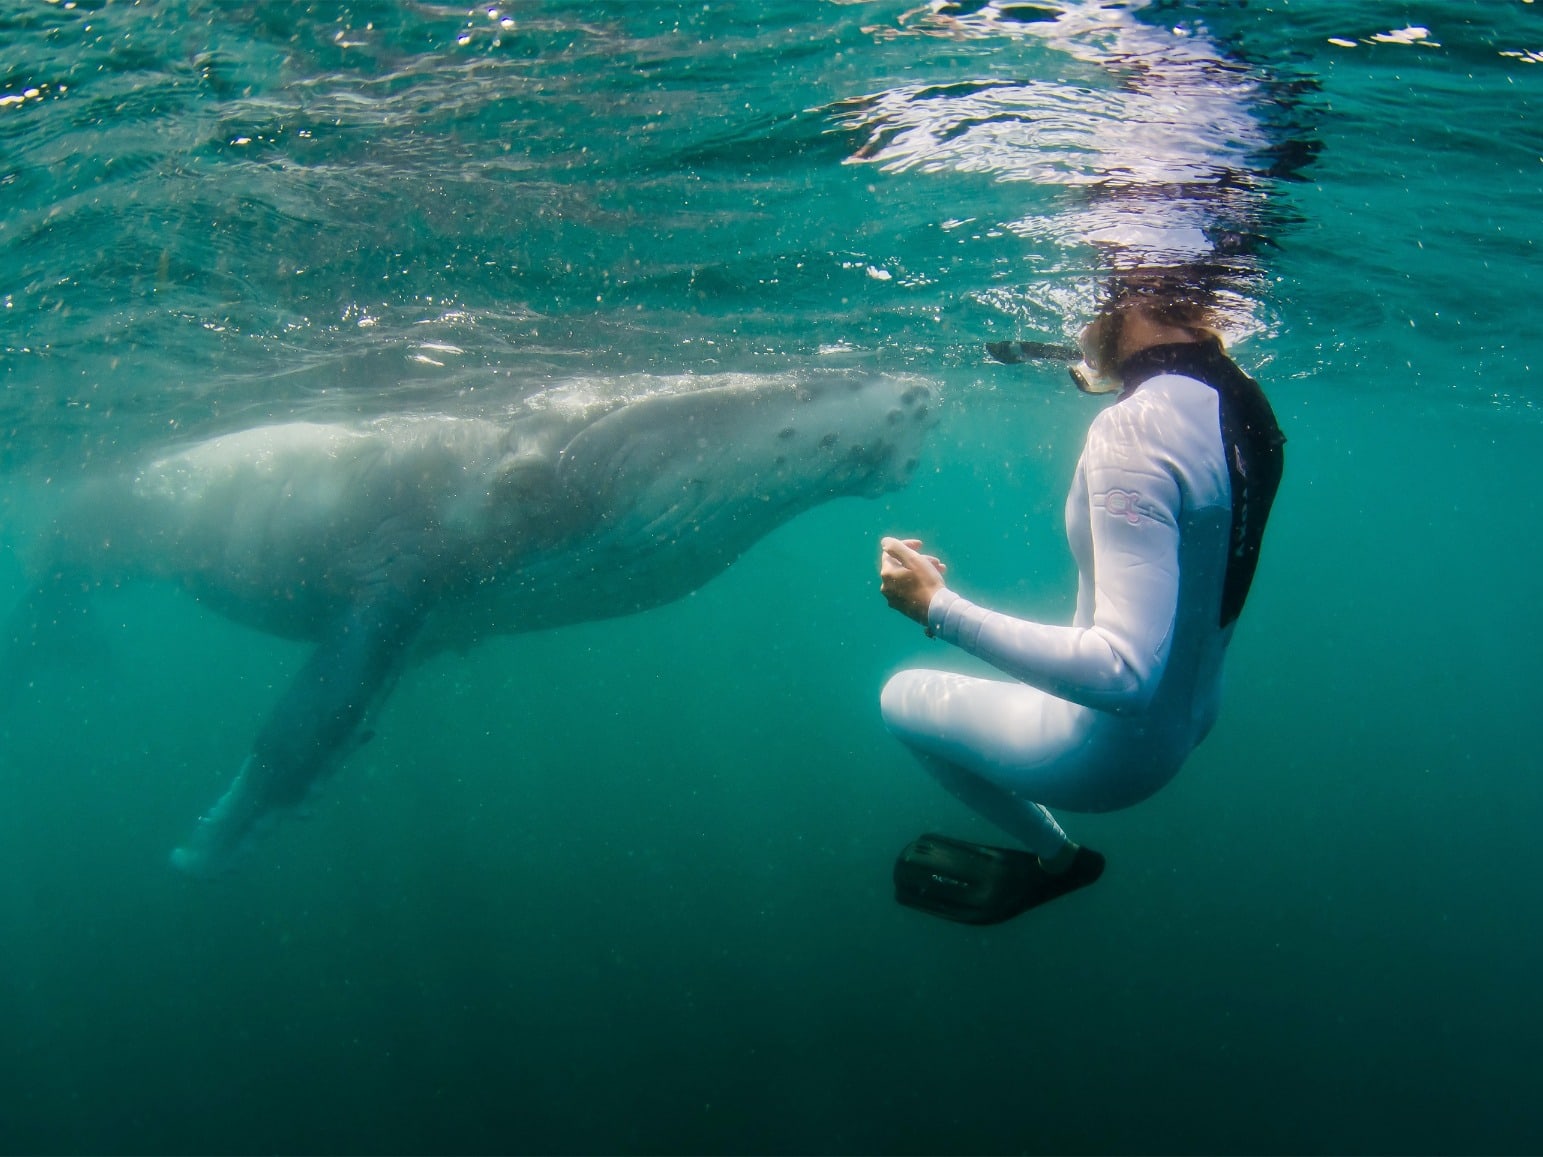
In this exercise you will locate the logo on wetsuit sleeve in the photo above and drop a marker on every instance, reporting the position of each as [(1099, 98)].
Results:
[(1126, 504)]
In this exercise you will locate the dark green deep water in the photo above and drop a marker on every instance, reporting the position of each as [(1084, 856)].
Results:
[(625, 886)]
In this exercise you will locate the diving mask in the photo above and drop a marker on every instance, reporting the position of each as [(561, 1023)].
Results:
[(1100, 342), (1090, 381)]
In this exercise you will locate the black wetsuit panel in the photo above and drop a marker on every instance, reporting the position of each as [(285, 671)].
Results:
[(1251, 437)]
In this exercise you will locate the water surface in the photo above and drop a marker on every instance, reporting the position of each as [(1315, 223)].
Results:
[(624, 886)]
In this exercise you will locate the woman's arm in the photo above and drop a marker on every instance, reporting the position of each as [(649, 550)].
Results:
[(1116, 663)]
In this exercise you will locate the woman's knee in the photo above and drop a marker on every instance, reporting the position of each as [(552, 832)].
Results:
[(899, 700)]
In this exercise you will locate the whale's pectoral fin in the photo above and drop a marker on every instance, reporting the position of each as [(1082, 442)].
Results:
[(310, 729)]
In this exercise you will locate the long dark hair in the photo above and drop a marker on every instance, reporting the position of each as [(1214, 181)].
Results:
[(1183, 297)]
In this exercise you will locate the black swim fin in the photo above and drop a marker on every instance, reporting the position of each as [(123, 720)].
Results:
[(980, 884)]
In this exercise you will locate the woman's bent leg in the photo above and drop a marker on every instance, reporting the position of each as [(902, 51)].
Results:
[(1027, 822), (1001, 748)]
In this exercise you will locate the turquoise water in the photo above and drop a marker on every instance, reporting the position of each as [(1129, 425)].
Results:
[(624, 886)]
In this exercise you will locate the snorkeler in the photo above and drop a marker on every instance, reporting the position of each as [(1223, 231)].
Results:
[(1165, 516)]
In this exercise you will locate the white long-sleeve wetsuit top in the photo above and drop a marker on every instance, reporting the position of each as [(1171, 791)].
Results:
[(1105, 710)]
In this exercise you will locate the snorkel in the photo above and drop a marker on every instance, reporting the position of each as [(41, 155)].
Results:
[(1100, 344), (1135, 308)]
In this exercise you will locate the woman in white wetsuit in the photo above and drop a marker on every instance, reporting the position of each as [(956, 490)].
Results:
[(1164, 519)]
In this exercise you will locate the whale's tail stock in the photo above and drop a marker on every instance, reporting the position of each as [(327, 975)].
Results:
[(53, 627)]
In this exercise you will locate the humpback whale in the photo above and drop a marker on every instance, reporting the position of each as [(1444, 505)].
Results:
[(383, 542)]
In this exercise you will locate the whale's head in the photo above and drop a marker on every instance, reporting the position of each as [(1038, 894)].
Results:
[(859, 436), (717, 466)]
